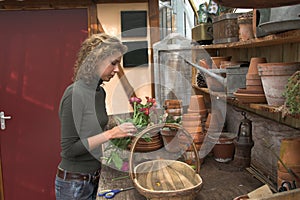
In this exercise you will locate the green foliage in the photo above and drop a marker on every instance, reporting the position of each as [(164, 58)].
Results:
[(292, 94)]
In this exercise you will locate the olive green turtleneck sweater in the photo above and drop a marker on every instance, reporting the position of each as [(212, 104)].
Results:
[(82, 113)]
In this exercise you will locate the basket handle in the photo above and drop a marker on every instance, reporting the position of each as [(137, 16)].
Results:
[(158, 127)]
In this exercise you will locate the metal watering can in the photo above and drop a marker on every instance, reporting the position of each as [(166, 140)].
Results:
[(235, 77)]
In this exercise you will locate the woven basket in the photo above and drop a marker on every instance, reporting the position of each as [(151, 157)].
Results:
[(166, 179)]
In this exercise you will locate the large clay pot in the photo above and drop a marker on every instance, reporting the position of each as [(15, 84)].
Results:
[(224, 148), (274, 78), (289, 154)]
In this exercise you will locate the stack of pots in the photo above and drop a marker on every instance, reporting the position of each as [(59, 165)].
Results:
[(192, 123), (289, 155), (174, 108), (253, 80), (197, 105), (274, 78), (254, 92)]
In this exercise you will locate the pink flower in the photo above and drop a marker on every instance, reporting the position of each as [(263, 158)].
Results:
[(135, 99), (125, 166)]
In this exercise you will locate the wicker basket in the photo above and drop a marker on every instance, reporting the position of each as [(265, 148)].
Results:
[(166, 179)]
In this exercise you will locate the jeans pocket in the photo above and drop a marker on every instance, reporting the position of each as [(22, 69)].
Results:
[(72, 190)]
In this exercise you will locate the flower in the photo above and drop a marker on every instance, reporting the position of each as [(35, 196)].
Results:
[(141, 112), (141, 118)]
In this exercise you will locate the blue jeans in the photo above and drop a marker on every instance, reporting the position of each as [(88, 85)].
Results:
[(75, 190)]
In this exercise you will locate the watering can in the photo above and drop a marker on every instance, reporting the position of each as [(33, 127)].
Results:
[(235, 77)]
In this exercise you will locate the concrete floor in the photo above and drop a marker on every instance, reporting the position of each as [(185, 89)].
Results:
[(223, 181)]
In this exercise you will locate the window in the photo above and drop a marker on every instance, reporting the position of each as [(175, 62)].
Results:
[(136, 55), (134, 23)]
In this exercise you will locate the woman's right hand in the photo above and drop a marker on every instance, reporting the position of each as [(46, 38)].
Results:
[(122, 130)]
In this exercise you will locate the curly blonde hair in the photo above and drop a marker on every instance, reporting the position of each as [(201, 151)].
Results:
[(95, 48)]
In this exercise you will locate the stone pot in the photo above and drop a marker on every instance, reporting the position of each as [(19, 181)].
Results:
[(245, 26), (274, 78)]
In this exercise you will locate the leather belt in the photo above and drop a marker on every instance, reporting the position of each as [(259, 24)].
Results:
[(65, 175)]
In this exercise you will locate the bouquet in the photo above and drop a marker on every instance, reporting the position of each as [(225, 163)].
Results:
[(141, 118)]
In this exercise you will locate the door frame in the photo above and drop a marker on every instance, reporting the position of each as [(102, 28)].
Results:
[(31, 6)]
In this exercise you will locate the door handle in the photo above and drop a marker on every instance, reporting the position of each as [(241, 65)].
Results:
[(2, 119)]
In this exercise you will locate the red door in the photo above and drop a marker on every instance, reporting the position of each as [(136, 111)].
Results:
[(37, 54)]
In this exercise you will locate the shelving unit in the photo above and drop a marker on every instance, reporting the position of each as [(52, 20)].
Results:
[(275, 44), (263, 110), (274, 39)]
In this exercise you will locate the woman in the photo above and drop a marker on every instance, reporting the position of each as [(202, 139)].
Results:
[(83, 118)]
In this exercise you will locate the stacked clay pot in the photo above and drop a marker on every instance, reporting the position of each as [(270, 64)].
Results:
[(192, 123), (254, 92), (173, 107), (289, 155), (197, 105), (253, 80)]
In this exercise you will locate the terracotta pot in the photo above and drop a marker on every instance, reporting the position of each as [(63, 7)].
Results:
[(203, 112), (198, 137), (147, 146), (225, 64), (274, 78), (190, 123), (253, 77), (285, 176), (224, 148), (217, 60), (197, 103), (290, 151), (174, 112), (173, 102), (207, 122), (191, 117), (193, 129), (253, 66), (197, 144)]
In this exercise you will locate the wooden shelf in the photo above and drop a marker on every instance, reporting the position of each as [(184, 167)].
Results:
[(263, 110), (256, 3), (269, 40)]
